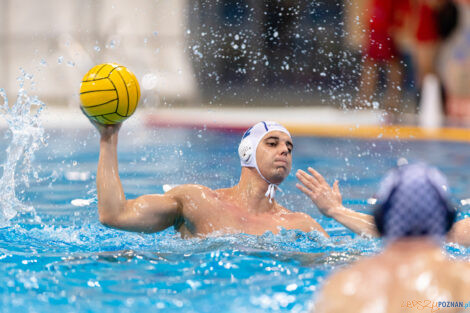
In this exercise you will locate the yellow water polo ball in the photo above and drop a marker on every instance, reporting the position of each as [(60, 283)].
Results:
[(109, 93)]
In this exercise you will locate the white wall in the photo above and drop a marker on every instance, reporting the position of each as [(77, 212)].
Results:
[(59, 40)]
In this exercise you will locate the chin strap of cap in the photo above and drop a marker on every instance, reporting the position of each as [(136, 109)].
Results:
[(271, 192)]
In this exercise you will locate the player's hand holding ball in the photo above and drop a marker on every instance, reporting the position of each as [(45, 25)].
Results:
[(109, 94)]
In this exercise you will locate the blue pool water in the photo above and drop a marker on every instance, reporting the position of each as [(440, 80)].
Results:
[(64, 259)]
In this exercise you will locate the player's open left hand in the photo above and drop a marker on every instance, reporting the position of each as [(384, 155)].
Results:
[(326, 198)]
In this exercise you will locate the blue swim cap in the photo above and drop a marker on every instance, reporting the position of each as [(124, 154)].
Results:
[(413, 201)]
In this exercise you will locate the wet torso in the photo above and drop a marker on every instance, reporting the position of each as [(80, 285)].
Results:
[(207, 211)]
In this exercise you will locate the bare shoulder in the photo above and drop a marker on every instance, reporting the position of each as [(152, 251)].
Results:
[(354, 275), (351, 273), (460, 232), (359, 272), (459, 272), (189, 191), (331, 298), (297, 217), (462, 271), (302, 218), (303, 221), (294, 215)]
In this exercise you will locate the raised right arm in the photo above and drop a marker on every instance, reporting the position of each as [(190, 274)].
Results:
[(149, 213)]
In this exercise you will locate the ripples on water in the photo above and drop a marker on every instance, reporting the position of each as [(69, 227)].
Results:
[(90, 267), (84, 266)]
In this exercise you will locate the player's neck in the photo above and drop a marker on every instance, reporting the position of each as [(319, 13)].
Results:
[(413, 245), (250, 191)]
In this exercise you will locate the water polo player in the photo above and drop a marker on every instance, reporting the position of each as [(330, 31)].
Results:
[(249, 207), (413, 215)]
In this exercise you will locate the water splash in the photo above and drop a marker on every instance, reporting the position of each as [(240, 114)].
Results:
[(27, 136)]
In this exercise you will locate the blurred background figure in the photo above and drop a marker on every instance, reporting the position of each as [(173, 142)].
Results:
[(425, 14), (454, 66), (385, 17), (401, 44), (433, 22), (413, 215)]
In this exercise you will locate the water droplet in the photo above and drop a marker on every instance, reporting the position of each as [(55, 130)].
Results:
[(97, 48), (149, 81), (402, 161), (60, 59)]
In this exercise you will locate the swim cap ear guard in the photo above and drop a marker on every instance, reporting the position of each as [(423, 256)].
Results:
[(245, 150), (389, 188)]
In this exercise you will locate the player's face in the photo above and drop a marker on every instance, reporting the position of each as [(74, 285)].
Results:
[(274, 156)]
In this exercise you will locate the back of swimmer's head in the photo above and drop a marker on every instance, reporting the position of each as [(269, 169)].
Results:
[(413, 201)]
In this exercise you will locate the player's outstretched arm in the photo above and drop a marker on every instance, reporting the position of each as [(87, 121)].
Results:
[(329, 201), (149, 213)]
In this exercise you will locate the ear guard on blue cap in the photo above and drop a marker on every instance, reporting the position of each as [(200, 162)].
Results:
[(384, 203)]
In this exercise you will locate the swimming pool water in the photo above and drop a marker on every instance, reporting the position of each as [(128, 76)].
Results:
[(66, 260)]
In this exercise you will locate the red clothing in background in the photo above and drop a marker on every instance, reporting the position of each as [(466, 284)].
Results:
[(427, 24), (385, 15)]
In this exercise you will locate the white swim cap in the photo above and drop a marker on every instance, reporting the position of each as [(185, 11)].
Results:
[(249, 144)]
